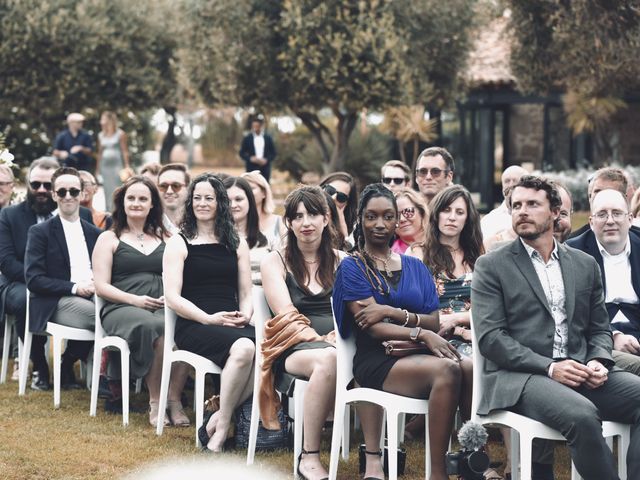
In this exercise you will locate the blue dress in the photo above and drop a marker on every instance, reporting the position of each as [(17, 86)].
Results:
[(413, 289)]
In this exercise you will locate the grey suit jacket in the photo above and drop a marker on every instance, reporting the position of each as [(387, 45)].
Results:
[(514, 325)]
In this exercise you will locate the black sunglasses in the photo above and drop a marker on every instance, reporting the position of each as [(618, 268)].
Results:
[(37, 185), (396, 180), (62, 192), (435, 172), (340, 197)]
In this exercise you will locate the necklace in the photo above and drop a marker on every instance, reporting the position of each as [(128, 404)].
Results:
[(140, 238), (310, 262), (384, 261)]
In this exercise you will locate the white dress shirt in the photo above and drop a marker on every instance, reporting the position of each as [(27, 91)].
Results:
[(258, 144), (495, 221), (78, 252)]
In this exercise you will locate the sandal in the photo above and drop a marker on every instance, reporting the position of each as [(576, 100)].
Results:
[(305, 452), (153, 414), (176, 414), (492, 474)]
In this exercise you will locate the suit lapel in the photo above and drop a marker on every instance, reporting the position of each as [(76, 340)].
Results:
[(634, 260), (525, 265), (593, 250), (569, 280), (57, 232), (90, 236)]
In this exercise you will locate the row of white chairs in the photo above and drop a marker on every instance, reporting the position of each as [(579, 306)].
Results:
[(524, 429)]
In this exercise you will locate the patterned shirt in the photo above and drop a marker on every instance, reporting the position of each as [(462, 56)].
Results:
[(550, 276)]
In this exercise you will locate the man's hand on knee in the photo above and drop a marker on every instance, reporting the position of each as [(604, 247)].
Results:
[(626, 343), (570, 373)]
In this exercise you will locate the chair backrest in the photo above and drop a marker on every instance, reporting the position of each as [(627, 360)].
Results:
[(478, 367), (99, 331), (261, 314), (345, 350)]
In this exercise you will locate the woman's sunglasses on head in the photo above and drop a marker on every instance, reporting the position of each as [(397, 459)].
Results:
[(340, 197)]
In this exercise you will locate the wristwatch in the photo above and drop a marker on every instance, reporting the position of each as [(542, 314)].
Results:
[(415, 333)]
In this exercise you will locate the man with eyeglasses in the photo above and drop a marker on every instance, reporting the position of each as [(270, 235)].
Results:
[(57, 269), (499, 218), (434, 171), (173, 181), (616, 248), (395, 175), (15, 222)]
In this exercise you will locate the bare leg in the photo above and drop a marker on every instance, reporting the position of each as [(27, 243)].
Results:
[(233, 381), (438, 379), (371, 421), (466, 387), (319, 366), (154, 376)]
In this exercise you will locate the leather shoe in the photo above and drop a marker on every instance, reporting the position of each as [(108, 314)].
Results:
[(68, 379), (103, 388), (40, 382), (541, 471)]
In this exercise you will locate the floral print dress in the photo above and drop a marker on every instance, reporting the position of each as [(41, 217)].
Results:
[(455, 296)]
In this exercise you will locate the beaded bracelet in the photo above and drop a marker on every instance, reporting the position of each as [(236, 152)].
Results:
[(406, 317)]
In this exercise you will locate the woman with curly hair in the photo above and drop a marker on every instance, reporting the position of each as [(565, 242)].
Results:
[(127, 269), (380, 295), (207, 282)]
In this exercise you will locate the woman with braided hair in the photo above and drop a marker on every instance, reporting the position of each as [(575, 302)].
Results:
[(380, 295)]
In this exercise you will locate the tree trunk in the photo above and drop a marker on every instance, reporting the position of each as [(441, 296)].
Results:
[(403, 154), (320, 132), (169, 140), (346, 124)]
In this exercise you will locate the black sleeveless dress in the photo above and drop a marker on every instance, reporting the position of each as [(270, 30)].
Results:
[(210, 281)]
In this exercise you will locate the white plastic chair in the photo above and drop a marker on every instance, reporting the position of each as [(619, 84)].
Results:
[(394, 406), (524, 429), (58, 333), (261, 314), (9, 326), (103, 341), (201, 365)]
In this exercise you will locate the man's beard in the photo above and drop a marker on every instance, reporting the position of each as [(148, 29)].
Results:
[(40, 207)]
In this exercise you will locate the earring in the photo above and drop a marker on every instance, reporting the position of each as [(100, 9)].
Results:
[(397, 225)]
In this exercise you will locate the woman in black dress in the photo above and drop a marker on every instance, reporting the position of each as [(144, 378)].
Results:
[(207, 282)]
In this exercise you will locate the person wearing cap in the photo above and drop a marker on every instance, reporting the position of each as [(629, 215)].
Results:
[(73, 146), (257, 149)]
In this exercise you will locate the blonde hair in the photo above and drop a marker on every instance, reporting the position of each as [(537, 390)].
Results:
[(112, 118), (255, 178), (418, 201), (8, 171)]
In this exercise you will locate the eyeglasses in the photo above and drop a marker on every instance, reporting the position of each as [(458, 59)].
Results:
[(37, 185), (435, 172), (396, 180), (603, 215), (62, 192), (331, 190), (175, 186), (408, 212), (89, 184)]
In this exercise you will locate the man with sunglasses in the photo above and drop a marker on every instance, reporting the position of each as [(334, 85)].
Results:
[(173, 181), (395, 175), (434, 171), (15, 222), (616, 248), (57, 268)]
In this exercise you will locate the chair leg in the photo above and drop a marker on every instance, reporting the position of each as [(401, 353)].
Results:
[(198, 398), (427, 449), (138, 385), (526, 445), (623, 449), (255, 418), (6, 344), (346, 431), (24, 363), (164, 392), (298, 422), (339, 416), (515, 454), (392, 443), (401, 425), (124, 379), (95, 379), (57, 361)]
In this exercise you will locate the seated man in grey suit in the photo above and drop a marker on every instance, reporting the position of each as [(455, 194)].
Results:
[(541, 322), (616, 248)]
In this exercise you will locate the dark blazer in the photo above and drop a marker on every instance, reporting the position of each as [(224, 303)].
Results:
[(48, 269), (587, 243), (247, 150), (514, 325)]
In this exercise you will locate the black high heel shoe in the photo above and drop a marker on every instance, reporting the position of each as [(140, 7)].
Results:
[(378, 454), (304, 452), (203, 436)]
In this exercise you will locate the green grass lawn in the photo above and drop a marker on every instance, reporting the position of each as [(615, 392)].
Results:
[(39, 442)]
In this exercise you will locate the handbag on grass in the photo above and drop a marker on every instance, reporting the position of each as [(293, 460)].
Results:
[(402, 348), (267, 439)]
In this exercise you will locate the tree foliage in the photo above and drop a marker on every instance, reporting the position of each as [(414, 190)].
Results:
[(309, 55), (58, 56)]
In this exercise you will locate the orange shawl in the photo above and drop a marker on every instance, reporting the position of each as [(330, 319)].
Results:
[(280, 333)]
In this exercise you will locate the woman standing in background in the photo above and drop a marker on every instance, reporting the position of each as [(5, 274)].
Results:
[(113, 155)]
